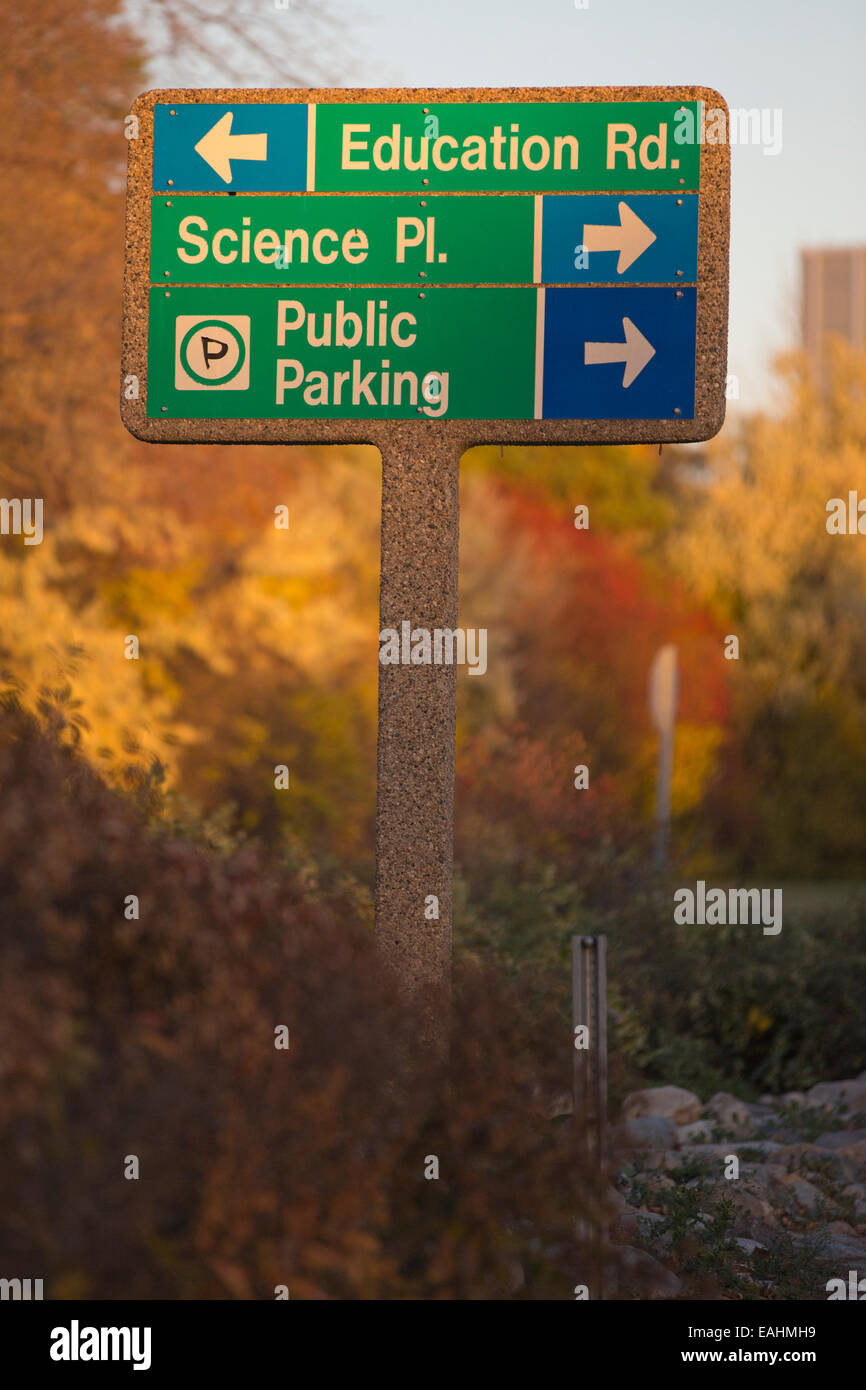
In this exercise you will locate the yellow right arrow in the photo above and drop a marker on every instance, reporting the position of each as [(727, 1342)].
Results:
[(635, 352), (630, 238)]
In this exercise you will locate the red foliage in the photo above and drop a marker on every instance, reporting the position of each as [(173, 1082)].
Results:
[(524, 787), (589, 626), (258, 1167)]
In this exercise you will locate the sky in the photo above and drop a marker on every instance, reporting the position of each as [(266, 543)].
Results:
[(806, 59)]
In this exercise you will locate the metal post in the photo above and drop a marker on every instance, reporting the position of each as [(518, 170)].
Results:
[(663, 795), (664, 688), (417, 713), (589, 1009)]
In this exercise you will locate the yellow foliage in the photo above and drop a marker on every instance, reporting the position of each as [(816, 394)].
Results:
[(46, 643), (757, 547), (757, 1021), (696, 748)]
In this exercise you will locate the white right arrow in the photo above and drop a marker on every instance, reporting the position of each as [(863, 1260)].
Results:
[(219, 147), (635, 352), (631, 238)]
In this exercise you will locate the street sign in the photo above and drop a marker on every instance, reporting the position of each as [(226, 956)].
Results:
[(664, 693), (547, 266), (329, 354), (664, 687), (425, 271)]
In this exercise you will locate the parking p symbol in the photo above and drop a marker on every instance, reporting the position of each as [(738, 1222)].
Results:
[(213, 349), (212, 354)]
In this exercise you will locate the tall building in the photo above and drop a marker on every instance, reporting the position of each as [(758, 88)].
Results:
[(834, 299)]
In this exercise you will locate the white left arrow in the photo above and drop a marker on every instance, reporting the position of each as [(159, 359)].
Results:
[(219, 147), (635, 352)]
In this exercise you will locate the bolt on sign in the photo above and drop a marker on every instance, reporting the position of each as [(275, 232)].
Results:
[(424, 271)]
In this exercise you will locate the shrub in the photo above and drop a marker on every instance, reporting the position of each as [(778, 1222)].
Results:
[(259, 1167)]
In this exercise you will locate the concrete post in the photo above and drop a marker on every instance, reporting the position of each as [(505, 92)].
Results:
[(417, 709)]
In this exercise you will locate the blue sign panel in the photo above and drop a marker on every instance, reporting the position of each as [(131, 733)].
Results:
[(619, 354), (645, 238), (210, 148)]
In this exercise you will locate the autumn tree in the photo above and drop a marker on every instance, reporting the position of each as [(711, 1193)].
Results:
[(755, 546)]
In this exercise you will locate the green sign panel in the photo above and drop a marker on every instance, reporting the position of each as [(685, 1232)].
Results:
[(350, 240), (333, 353), (501, 147)]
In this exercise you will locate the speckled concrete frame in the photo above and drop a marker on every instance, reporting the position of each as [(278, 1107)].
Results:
[(712, 334)]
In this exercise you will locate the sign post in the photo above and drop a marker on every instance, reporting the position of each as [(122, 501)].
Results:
[(664, 687), (424, 271), (417, 711)]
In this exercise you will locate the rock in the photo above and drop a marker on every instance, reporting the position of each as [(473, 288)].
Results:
[(793, 1098), (649, 1132), (846, 1161), (672, 1102), (782, 1197), (662, 1283), (841, 1139), (776, 1172), (730, 1112), (761, 1111), (840, 1164), (659, 1160), (805, 1194), (749, 1246), (747, 1206), (655, 1183), (758, 1174), (831, 1246), (850, 1095), (845, 1247), (764, 1147), (750, 1203), (855, 1156), (699, 1132), (637, 1225)]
